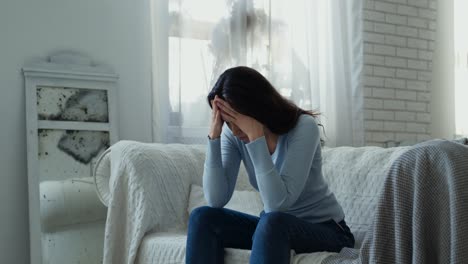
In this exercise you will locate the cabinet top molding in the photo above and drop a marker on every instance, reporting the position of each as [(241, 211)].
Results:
[(69, 64)]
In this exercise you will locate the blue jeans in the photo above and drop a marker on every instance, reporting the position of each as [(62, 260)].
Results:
[(270, 236)]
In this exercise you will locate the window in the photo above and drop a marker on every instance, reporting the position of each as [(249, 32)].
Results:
[(198, 53), (190, 59), (299, 46)]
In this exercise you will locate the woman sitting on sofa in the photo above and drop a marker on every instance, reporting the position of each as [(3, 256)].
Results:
[(279, 144)]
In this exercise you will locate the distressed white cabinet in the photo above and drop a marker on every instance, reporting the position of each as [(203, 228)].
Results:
[(71, 118)]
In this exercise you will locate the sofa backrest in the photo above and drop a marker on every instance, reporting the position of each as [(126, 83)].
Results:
[(356, 177)]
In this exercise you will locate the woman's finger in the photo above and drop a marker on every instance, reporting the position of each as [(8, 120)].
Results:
[(229, 113), (216, 116), (227, 109), (214, 110), (226, 117), (216, 98), (216, 101)]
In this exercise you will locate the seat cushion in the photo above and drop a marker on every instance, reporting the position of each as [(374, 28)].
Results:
[(169, 248), (162, 248)]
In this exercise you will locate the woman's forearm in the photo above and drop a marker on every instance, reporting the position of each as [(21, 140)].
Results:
[(220, 171)]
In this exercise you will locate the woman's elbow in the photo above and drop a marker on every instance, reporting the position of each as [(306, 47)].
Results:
[(275, 207), (215, 202), (216, 205)]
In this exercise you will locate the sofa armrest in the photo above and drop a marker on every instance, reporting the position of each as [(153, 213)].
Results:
[(166, 172), (149, 188)]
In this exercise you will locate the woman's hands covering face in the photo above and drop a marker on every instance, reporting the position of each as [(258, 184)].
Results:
[(216, 120), (250, 126)]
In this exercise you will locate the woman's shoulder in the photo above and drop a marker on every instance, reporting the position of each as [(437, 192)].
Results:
[(305, 127), (305, 131), (306, 122)]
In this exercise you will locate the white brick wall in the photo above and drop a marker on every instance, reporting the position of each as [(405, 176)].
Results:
[(398, 50)]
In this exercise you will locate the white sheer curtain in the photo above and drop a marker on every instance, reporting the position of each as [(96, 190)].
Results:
[(311, 51)]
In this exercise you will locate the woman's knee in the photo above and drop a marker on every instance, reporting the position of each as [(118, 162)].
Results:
[(203, 214), (272, 223), (274, 218)]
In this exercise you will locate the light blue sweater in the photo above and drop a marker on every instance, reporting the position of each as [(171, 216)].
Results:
[(290, 180)]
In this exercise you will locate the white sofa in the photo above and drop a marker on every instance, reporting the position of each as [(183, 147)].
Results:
[(355, 175)]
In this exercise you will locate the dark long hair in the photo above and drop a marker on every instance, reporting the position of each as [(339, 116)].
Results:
[(251, 94)]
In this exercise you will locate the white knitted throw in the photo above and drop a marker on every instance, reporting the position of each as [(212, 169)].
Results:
[(138, 203)]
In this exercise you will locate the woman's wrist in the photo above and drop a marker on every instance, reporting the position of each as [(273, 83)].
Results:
[(255, 136), (213, 137)]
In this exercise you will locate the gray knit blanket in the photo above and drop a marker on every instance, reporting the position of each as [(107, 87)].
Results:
[(422, 214)]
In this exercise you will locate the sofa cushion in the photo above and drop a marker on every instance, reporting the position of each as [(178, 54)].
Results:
[(162, 248), (248, 202), (169, 248)]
